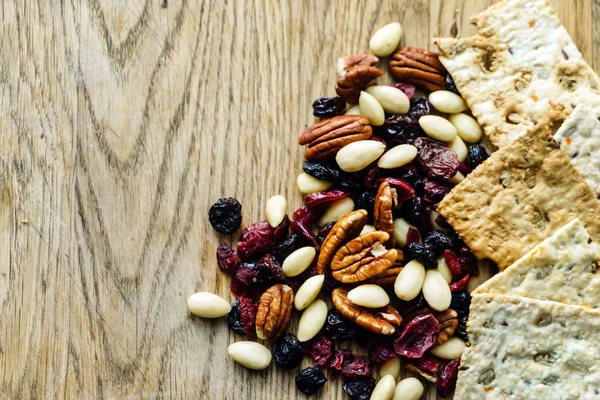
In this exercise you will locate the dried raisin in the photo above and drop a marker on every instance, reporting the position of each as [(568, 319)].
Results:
[(310, 380), (360, 389), (288, 352), (327, 107), (436, 159)]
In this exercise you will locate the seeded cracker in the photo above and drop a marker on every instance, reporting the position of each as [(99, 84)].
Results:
[(521, 195), (564, 268), (520, 70), (579, 137), (530, 349)]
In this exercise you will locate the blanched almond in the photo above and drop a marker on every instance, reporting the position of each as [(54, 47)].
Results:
[(467, 127), (398, 156), (371, 109), (457, 178), (384, 389), (391, 99), (208, 305), (358, 155), (250, 354), (391, 367), (336, 210), (408, 389), (438, 128), (451, 349), (443, 269), (386, 39), (308, 292), (447, 101), (275, 210), (308, 184), (436, 290), (354, 110), (312, 320), (297, 262), (369, 295), (410, 281), (401, 227), (460, 148)]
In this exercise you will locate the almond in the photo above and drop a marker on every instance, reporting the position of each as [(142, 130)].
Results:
[(308, 184), (275, 210), (336, 210), (250, 354), (297, 262), (398, 156), (208, 305), (436, 290), (438, 128), (451, 349), (371, 109), (410, 281), (312, 320), (447, 102), (308, 292), (358, 155), (467, 127), (369, 295), (386, 39), (391, 99)]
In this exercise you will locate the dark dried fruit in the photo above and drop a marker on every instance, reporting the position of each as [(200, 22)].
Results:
[(256, 240), (329, 171), (288, 352), (453, 264), (476, 155), (270, 271), (420, 107), (380, 353), (412, 211), (461, 284), (360, 389), (244, 282), (450, 84), (403, 190), (227, 258), (323, 232), (321, 351), (411, 174), (464, 169), (468, 261), (330, 282), (225, 215), (436, 160), (234, 319), (446, 381), (314, 199), (420, 251), (337, 328), (366, 201), (356, 367), (326, 107), (248, 310), (304, 218), (370, 176), (282, 231), (400, 129), (461, 301), (310, 380), (434, 191), (288, 246), (337, 360), (439, 241), (418, 336), (408, 89)]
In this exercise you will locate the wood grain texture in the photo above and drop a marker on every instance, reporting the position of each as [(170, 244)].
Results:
[(122, 121)]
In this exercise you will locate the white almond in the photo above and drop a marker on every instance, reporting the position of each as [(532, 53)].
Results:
[(398, 156), (408, 389), (297, 262), (369, 295), (451, 349), (460, 148), (410, 281), (401, 227), (357, 155), (384, 389), (391, 367), (433, 216), (354, 110), (386, 39), (250, 354), (309, 184), (371, 109), (392, 100), (336, 210), (447, 102), (208, 305), (366, 229), (457, 178), (467, 127), (442, 267), (308, 292), (438, 128), (312, 320), (436, 290), (275, 210)]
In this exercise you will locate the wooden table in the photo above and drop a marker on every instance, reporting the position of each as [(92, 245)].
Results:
[(122, 122)]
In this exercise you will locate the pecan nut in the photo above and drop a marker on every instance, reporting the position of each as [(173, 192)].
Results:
[(385, 200), (347, 228), (347, 62), (429, 376), (355, 73), (387, 278), (274, 312), (382, 323), (362, 258), (325, 138), (419, 67)]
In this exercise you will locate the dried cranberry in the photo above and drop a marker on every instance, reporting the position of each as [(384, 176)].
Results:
[(256, 240), (288, 352), (329, 171), (412, 210), (436, 159), (310, 380), (270, 271), (461, 301), (438, 240), (476, 155), (289, 245), (248, 310), (324, 231), (434, 191), (245, 282), (403, 189), (380, 353), (420, 251), (441, 221), (234, 319), (327, 107), (468, 261), (356, 367), (461, 284), (408, 307), (446, 380), (453, 263), (337, 328), (321, 351), (247, 272), (413, 235), (227, 258), (282, 231), (418, 336), (304, 218), (225, 215), (464, 169), (370, 176), (426, 363), (337, 360), (408, 89), (314, 199), (450, 84), (360, 389)]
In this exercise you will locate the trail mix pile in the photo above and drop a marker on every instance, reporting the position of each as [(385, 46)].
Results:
[(367, 239)]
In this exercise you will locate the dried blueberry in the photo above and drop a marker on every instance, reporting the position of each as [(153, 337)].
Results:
[(324, 231), (227, 258), (270, 271), (326, 107), (321, 351), (337, 328), (245, 282), (421, 251), (288, 352), (461, 301), (446, 380), (360, 389), (288, 246), (310, 380), (439, 241), (412, 211), (225, 215), (400, 129), (450, 84), (329, 171), (435, 159), (477, 154), (366, 201), (234, 319), (420, 107)]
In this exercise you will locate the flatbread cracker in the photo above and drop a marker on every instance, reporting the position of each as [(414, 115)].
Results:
[(579, 137), (521, 70), (564, 268), (521, 195), (530, 349)]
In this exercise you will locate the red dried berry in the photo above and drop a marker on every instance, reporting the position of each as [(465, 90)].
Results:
[(461, 284), (408, 89), (403, 189), (304, 218), (446, 380), (321, 351), (248, 311), (370, 177), (314, 199), (427, 363), (381, 353), (468, 261), (282, 231), (418, 336), (225, 215), (436, 159), (413, 235), (256, 240), (464, 169), (227, 258), (453, 264), (335, 365), (324, 231), (434, 191), (269, 271), (357, 367)]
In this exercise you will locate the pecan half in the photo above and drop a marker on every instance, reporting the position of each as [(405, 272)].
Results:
[(325, 138), (353, 60), (420, 67), (431, 377), (448, 321), (274, 312), (383, 323), (385, 200), (347, 228), (355, 73), (362, 258)]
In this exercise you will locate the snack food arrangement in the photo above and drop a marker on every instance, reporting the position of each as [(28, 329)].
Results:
[(402, 201)]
